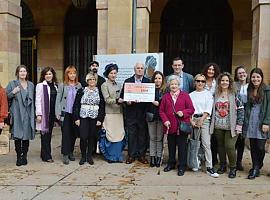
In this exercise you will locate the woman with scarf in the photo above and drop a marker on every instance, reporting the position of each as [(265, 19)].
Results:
[(20, 94), (113, 142), (46, 91), (63, 110)]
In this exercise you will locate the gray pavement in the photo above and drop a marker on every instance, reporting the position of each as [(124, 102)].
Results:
[(41, 181)]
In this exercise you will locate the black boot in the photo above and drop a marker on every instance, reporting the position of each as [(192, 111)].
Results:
[(24, 159), (253, 173), (221, 169), (19, 160), (25, 146), (152, 161), (158, 160), (18, 150), (83, 160), (232, 172)]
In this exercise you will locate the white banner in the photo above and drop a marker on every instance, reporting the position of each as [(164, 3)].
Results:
[(126, 63)]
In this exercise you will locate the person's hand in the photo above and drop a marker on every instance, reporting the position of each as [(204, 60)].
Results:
[(98, 123), (2, 125), (200, 122), (77, 122), (16, 90), (265, 128), (238, 129), (129, 102), (193, 123), (156, 103), (58, 117), (180, 113), (120, 100), (39, 118), (167, 124)]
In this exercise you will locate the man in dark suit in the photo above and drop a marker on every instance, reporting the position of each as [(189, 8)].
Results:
[(93, 67), (135, 122), (185, 78)]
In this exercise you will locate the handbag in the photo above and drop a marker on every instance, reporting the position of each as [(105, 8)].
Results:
[(184, 127), (149, 117), (193, 149)]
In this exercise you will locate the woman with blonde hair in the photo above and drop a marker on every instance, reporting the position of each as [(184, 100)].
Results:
[(63, 110), (227, 121), (88, 113)]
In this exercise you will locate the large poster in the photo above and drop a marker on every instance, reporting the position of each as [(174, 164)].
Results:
[(126, 63)]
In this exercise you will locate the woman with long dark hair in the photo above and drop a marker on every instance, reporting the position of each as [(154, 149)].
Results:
[(46, 91), (227, 121), (241, 83), (63, 110), (20, 93), (257, 120), (154, 121)]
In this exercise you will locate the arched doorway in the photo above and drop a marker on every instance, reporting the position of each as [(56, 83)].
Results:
[(81, 36), (199, 32), (28, 42)]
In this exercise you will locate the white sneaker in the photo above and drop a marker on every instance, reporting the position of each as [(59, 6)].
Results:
[(211, 172), (195, 169)]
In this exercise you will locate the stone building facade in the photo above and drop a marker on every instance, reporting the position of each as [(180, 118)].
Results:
[(56, 33)]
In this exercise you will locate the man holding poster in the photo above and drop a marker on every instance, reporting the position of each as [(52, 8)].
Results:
[(136, 125)]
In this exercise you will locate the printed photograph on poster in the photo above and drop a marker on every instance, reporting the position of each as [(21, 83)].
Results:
[(139, 92), (126, 63)]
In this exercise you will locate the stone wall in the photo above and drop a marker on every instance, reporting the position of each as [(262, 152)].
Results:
[(49, 18)]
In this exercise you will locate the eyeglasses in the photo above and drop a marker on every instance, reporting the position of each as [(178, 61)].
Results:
[(202, 81)]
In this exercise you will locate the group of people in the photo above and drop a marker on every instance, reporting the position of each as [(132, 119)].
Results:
[(219, 111)]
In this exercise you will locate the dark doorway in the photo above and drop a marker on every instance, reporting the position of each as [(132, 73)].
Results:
[(28, 42), (81, 37), (197, 31)]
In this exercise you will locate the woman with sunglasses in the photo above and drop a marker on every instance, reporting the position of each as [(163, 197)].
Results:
[(227, 120), (203, 101)]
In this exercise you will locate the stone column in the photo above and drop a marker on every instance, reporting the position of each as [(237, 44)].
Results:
[(115, 26), (261, 36), (10, 14)]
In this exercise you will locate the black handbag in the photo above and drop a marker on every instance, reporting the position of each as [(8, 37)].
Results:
[(149, 117), (184, 127)]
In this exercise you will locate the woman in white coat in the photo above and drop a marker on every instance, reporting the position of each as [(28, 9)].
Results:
[(46, 91)]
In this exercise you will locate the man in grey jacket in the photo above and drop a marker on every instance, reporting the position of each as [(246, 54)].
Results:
[(186, 80)]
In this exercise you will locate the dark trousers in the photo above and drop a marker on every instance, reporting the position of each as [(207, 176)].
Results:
[(137, 137), (240, 146), (180, 141), (257, 151), (214, 149), (69, 134), (46, 152), (21, 147), (88, 131)]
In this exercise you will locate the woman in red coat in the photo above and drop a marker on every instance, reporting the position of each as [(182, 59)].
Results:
[(175, 106), (3, 107)]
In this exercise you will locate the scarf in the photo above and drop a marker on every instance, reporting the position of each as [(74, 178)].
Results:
[(45, 111)]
